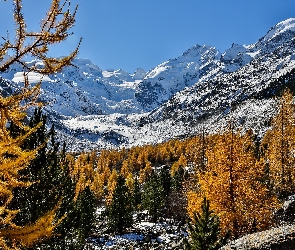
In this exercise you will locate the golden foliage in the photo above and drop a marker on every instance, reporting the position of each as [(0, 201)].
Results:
[(83, 173), (281, 146), (145, 172), (130, 181), (29, 235), (232, 183), (12, 157), (112, 182), (53, 30), (182, 162), (97, 186), (227, 168), (125, 168)]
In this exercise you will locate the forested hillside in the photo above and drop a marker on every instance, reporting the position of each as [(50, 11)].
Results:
[(244, 177)]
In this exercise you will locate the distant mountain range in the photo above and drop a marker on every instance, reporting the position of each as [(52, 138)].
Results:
[(200, 90)]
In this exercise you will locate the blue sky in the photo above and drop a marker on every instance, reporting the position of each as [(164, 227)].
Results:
[(130, 34)]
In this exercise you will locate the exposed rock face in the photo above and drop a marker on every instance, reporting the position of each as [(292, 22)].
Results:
[(281, 238), (286, 214)]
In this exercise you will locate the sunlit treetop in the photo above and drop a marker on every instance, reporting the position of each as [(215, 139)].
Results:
[(54, 29)]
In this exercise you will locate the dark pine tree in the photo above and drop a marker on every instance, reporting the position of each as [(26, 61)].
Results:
[(205, 230), (177, 180), (31, 201), (83, 217), (177, 202), (120, 210), (52, 187), (153, 196), (165, 178), (136, 195)]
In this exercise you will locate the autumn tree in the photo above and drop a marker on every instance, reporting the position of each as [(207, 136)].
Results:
[(54, 29), (112, 181), (97, 185), (280, 147), (232, 182), (196, 151), (181, 163), (145, 172)]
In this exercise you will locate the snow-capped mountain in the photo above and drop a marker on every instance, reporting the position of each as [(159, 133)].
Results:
[(201, 89), (84, 89), (195, 65), (244, 73)]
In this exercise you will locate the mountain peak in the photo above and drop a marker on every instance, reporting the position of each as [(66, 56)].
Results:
[(197, 50), (280, 28), (139, 74), (233, 52)]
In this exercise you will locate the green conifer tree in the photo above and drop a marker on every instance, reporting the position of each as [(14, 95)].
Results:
[(82, 218), (177, 201), (165, 178), (51, 185), (205, 230), (31, 201), (153, 196), (120, 208), (177, 179), (136, 195)]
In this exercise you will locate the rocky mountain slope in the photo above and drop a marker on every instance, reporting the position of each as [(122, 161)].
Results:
[(201, 89)]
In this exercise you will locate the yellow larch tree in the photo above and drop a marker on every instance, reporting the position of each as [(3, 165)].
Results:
[(145, 172), (83, 173), (181, 163), (195, 151), (54, 29), (125, 170), (130, 181), (232, 183), (97, 185), (280, 140), (179, 148), (112, 181), (142, 159), (102, 162), (106, 175)]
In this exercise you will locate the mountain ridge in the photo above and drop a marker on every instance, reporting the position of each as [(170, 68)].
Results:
[(202, 88)]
